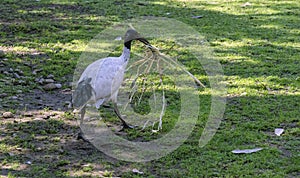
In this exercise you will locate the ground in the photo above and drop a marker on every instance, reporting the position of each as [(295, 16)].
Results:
[(257, 44)]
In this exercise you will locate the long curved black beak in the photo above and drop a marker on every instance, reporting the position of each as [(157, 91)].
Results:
[(146, 42)]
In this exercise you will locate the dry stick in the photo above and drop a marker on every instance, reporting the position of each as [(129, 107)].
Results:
[(133, 85), (163, 99), (191, 75), (164, 103), (136, 63)]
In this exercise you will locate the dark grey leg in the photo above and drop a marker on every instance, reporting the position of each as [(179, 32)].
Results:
[(125, 125), (80, 134)]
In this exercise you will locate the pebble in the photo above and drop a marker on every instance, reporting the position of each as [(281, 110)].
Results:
[(58, 85), (50, 76), (28, 162), (49, 80), (8, 115), (2, 95), (52, 86), (16, 75), (40, 80), (14, 97)]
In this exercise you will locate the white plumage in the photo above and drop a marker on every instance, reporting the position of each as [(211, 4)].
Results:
[(101, 80)]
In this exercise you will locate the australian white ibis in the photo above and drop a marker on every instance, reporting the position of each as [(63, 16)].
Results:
[(101, 80)]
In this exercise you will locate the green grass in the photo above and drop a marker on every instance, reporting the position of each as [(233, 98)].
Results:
[(258, 47)]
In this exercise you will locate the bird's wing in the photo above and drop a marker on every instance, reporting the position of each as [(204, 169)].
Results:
[(102, 79), (106, 77), (83, 93)]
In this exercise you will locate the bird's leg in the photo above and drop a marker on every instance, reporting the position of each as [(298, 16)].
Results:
[(125, 125), (80, 134)]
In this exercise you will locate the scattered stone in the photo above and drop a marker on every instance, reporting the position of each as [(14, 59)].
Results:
[(50, 76), (19, 91), (16, 75), (40, 80), (28, 162), (2, 95), (52, 86), (136, 171), (8, 115), (58, 85), (49, 80), (14, 97)]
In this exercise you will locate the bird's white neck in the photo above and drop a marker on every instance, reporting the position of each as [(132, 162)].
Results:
[(125, 54)]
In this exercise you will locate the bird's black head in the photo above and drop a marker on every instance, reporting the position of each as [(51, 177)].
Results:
[(134, 35)]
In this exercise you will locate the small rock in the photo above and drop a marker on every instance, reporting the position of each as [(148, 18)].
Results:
[(19, 91), (137, 171), (11, 70), (49, 80), (28, 162), (40, 80), (14, 97), (2, 95), (16, 75), (52, 86), (58, 85), (50, 76), (8, 115)]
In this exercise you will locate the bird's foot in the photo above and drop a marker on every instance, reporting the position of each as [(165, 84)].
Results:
[(80, 136)]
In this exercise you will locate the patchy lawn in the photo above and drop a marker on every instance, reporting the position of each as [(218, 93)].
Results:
[(257, 44)]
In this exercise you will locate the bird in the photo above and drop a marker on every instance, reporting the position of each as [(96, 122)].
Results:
[(101, 80)]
